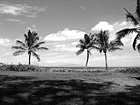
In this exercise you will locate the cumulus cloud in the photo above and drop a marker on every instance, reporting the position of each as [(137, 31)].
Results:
[(103, 25), (113, 28), (66, 34), (18, 9), (123, 23), (5, 42)]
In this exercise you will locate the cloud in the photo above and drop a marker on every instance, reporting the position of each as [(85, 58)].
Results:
[(123, 23), (65, 40), (74, 43), (5, 42), (103, 25), (128, 39), (115, 27), (15, 20), (18, 9), (64, 35), (64, 47)]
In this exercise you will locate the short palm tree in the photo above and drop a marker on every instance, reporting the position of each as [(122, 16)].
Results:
[(30, 45), (135, 19), (86, 44), (104, 45)]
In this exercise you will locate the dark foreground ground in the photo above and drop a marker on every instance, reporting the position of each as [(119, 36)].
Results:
[(28, 88)]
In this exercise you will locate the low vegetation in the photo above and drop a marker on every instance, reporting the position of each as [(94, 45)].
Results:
[(19, 67)]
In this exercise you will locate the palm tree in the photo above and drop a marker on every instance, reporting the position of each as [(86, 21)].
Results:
[(104, 45), (86, 44), (135, 20), (31, 45)]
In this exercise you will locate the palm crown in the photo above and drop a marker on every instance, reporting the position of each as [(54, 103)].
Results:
[(86, 44), (31, 45), (135, 19), (104, 45)]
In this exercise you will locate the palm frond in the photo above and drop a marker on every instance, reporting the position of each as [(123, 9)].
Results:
[(131, 17), (29, 33), (36, 55), (135, 41), (81, 41), (122, 33), (21, 43), (80, 51), (138, 9), (81, 46), (114, 49), (78, 45), (119, 43), (87, 39), (116, 43), (94, 47), (38, 44), (91, 36), (18, 48), (26, 37), (18, 53), (34, 36), (138, 47), (42, 48), (106, 35)]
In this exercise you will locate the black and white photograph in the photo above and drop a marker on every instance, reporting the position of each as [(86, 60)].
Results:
[(69, 52)]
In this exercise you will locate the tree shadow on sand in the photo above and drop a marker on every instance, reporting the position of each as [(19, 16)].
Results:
[(30, 91)]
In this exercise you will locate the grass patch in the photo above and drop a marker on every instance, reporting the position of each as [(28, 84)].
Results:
[(16, 90)]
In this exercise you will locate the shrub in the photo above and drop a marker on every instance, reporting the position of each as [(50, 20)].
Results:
[(19, 67), (130, 70)]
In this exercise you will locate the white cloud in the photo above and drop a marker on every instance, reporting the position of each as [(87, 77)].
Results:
[(63, 47), (128, 39), (113, 28), (74, 43), (15, 20), (18, 9), (103, 25), (5, 42), (66, 34), (123, 23)]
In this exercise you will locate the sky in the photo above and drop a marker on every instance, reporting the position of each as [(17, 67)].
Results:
[(61, 23)]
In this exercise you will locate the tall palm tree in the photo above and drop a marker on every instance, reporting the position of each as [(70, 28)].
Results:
[(104, 45), (30, 45), (135, 20), (86, 44)]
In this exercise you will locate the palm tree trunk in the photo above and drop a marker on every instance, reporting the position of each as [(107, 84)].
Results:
[(106, 61), (87, 60), (29, 58)]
